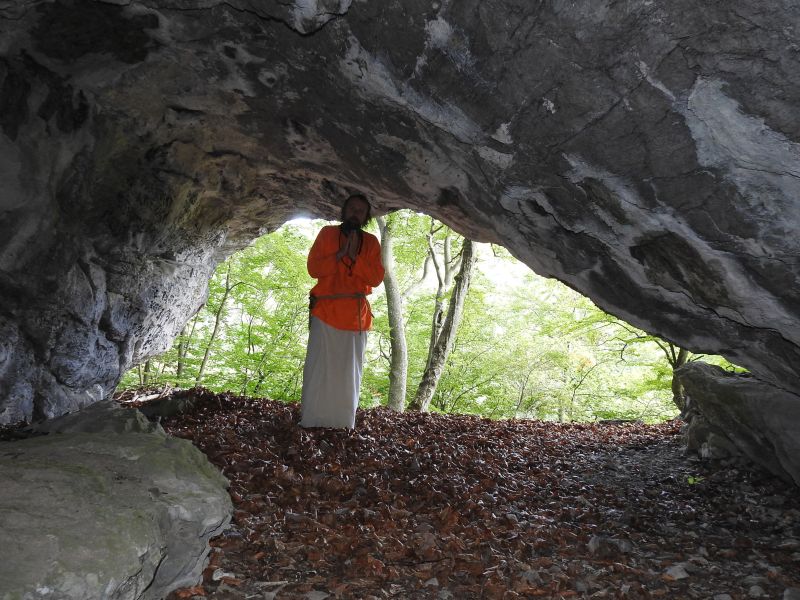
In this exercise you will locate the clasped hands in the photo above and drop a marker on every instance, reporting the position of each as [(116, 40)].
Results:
[(350, 248)]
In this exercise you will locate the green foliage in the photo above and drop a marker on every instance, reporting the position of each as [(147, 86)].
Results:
[(261, 347), (527, 346)]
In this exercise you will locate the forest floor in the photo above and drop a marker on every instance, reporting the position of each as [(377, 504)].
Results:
[(458, 507)]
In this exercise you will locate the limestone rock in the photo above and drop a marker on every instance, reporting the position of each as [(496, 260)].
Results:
[(606, 547), (647, 154), (103, 417), (750, 417), (718, 446), (676, 572), (106, 515)]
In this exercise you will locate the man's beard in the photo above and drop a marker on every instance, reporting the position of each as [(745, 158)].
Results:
[(349, 225)]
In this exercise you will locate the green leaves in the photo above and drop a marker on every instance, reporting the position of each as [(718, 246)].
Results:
[(261, 343), (526, 347)]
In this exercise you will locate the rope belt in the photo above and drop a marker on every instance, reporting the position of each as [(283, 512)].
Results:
[(312, 302)]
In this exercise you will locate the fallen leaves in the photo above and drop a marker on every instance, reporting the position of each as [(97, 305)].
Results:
[(192, 592), (433, 506)]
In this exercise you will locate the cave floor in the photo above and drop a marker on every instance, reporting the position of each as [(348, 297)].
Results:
[(434, 506)]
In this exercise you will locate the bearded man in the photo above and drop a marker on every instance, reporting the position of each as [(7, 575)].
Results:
[(346, 261)]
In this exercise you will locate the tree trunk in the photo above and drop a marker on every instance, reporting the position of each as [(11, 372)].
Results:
[(522, 389), (441, 349), (437, 319), (217, 321), (398, 368), (183, 350), (146, 373), (182, 346), (678, 395)]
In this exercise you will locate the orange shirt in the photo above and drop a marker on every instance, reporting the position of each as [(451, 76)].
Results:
[(342, 277)]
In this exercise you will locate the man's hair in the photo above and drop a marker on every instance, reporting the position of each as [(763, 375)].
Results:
[(361, 197)]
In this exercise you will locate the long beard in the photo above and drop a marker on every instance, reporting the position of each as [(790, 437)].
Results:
[(350, 225)]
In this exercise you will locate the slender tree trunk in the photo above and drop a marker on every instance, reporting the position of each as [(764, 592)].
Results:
[(183, 350), (437, 320), (398, 368), (251, 349), (678, 395), (444, 343), (182, 345), (270, 351), (146, 373), (522, 389), (217, 321), (261, 376), (575, 387)]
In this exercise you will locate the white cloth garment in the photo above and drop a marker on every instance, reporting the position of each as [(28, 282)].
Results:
[(332, 376)]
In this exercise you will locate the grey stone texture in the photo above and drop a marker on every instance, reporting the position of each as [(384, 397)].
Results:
[(645, 153), (732, 415), (105, 416), (110, 509)]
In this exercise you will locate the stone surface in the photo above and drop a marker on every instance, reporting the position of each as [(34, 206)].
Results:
[(676, 572), (604, 546), (96, 514), (647, 154), (103, 417), (733, 414)]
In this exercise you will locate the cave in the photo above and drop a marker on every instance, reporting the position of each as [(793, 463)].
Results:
[(645, 154)]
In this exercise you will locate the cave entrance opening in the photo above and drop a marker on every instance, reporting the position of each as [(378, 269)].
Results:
[(526, 346)]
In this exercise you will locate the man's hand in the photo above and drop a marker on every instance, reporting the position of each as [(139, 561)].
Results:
[(350, 247), (352, 243)]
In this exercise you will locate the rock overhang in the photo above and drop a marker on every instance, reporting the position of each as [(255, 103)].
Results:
[(644, 155)]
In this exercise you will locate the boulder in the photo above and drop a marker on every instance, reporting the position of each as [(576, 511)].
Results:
[(734, 414), (94, 513), (103, 417)]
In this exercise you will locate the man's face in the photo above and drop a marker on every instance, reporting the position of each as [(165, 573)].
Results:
[(355, 213)]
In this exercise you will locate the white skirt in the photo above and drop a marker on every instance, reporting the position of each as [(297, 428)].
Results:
[(332, 376)]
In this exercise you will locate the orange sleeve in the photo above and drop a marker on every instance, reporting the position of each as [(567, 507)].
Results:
[(322, 257), (369, 267)]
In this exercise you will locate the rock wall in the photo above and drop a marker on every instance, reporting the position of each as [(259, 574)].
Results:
[(646, 154)]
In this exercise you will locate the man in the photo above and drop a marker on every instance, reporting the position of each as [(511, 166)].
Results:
[(346, 261)]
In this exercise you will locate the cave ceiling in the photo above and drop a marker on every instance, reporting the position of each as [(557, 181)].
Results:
[(646, 154)]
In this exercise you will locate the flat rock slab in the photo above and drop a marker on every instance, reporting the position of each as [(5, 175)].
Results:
[(106, 515)]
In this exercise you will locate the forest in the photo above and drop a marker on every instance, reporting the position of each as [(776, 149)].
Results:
[(460, 327)]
